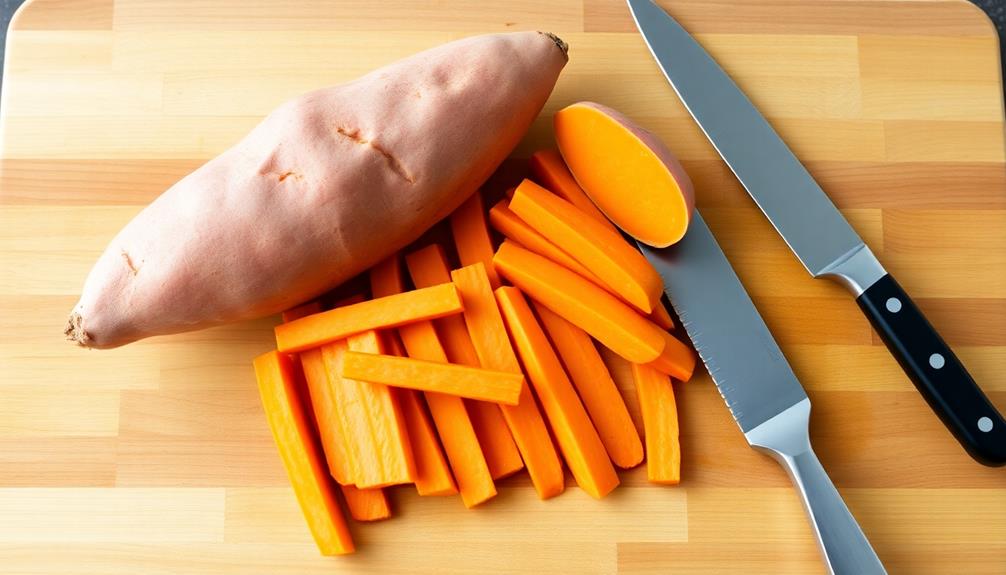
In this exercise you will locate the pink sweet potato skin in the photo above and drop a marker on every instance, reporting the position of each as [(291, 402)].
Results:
[(326, 186)]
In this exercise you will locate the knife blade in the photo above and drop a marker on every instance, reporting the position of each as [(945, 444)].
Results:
[(757, 384), (817, 233)]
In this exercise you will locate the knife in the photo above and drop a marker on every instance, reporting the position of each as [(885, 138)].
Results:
[(758, 385), (817, 232)]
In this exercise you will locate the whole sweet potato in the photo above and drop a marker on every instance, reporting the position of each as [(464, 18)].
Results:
[(326, 186)]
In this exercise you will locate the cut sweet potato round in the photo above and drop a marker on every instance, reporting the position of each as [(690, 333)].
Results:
[(627, 171)]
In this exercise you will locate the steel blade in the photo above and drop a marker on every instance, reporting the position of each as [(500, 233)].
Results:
[(800, 211), (733, 341)]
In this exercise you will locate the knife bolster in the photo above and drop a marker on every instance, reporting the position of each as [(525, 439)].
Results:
[(785, 434), (857, 270)]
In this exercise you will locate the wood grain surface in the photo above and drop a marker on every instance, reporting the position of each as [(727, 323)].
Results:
[(156, 458)]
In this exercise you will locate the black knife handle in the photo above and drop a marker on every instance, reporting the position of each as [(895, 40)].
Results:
[(936, 372)]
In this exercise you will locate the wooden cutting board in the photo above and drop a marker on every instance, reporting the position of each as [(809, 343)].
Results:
[(156, 458)]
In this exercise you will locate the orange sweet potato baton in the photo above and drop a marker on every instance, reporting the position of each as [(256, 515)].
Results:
[(549, 170), (489, 336), (677, 360), (433, 477), (660, 422), (428, 266), (603, 251), (366, 504), (304, 465), (578, 440), (458, 380), (380, 313), (375, 434), (510, 225), (475, 482), (303, 310), (420, 340), (596, 388), (363, 504), (582, 303), (471, 236), (326, 414), (662, 317), (503, 220)]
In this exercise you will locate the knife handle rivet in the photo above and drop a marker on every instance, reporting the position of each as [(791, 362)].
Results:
[(984, 424), (936, 361), (893, 304)]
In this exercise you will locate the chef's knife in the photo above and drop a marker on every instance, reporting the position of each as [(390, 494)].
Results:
[(818, 233), (758, 385)]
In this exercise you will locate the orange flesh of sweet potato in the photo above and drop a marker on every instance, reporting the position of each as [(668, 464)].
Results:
[(582, 303), (660, 423), (677, 360), (428, 266), (381, 313), (627, 171), (305, 467), (549, 170), (436, 375), (485, 324), (604, 252), (597, 389), (471, 236), (581, 447), (291, 210)]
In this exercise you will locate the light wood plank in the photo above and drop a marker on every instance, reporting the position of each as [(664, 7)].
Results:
[(64, 15), (950, 18), (940, 253), (55, 411), (958, 141), (466, 15), (95, 515), (628, 514)]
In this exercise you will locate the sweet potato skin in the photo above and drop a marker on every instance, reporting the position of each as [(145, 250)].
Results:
[(324, 187)]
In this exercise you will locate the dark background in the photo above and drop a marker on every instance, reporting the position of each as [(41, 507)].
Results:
[(995, 9)]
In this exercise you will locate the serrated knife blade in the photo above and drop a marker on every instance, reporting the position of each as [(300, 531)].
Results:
[(758, 385), (818, 233)]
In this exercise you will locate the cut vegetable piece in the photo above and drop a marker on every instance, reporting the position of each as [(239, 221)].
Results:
[(619, 265), (660, 423), (582, 303), (577, 438), (379, 313), (510, 225), (287, 416), (327, 185), (366, 504), (375, 435), (326, 414), (386, 278), (433, 476), (677, 360), (596, 388), (662, 317), (627, 171), (458, 380), (304, 309), (471, 236), (489, 336), (549, 170), (390, 441), (428, 266), (475, 482)]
